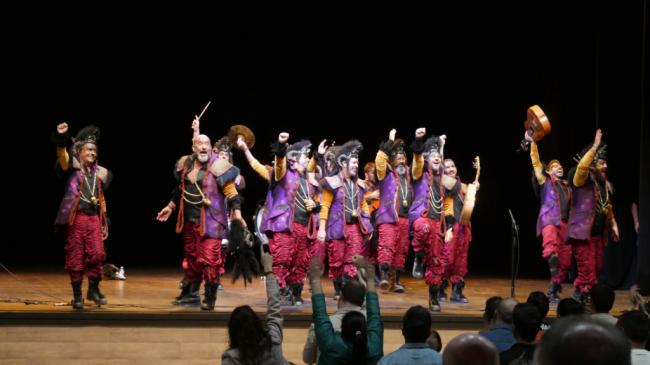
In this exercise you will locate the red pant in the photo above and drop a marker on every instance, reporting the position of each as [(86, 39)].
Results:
[(589, 259), (290, 251), (428, 238), (84, 248), (394, 243), (553, 243), (455, 253), (341, 251), (203, 255), (319, 249)]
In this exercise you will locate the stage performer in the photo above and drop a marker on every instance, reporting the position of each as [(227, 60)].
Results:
[(344, 215), (204, 183), (396, 196), (555, 198), (291, 211), (430, 186), (591, 216), (82, 212)]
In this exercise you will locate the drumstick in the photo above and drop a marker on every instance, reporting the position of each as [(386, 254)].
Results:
[(204, 109)]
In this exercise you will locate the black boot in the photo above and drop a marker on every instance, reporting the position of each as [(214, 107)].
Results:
[(296, 297), (553, 264), (94, 293), (210, 296), (442, 295), (434, 306), (78, 300), (418, 265), (383, 283), (189, 295), (396, 285), (457, 295), (552, 294)]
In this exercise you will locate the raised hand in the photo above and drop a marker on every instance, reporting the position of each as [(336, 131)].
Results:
[(322, 147), (62, 128), (598, 138), (420, 132), (391, 134), (241, 144), (283, 137)]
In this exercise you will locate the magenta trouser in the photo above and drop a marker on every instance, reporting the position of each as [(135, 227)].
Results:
[(454, 255), (589, 259), (291, 254), (427, 237), (553, 243), (393, 243), (84, 248), (340, 252), (203, 255)]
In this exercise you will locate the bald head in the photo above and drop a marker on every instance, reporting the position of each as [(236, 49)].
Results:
[(505, 309), (202, 147), (470, 349), (579, 340)]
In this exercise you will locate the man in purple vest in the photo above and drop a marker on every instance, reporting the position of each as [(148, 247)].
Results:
[(591, 216), (392, 220), (555, 198), (430, 186), (205, 182), (291, 209), (344, 215), (82, 212)]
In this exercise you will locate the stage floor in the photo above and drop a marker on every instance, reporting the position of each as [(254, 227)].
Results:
[(42, 296)]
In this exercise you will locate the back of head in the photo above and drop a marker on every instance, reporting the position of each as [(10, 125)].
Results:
[(636, 326), (580, 340), (435, 341), (470, 349), (353, 331), (602, 298), (541, 302), (569, 307), (491, 305), (354, 292), (416, 324), (526, 321), (248, 334), (504, 310)]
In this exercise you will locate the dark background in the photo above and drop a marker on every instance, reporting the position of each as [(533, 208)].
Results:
[(468, 74)]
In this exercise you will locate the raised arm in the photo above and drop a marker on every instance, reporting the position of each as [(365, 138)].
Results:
[(260, 169), (417, 167), (582, 171), (274, 318), (61, 140), (383, 156), (280, 152), (535, 160)]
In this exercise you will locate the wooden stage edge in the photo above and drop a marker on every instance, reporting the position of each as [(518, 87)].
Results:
[(41, 297)]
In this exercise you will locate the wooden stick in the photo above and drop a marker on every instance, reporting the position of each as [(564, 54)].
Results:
[(204, 109)]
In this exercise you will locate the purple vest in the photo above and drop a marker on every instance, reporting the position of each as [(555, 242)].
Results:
[(280, 203), (71, 196), (549, 212), (582, 211), (336, 218), (388, 199), (216, 220), (420, 203)]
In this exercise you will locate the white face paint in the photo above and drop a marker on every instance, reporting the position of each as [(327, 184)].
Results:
[(88, 154), (353, 166), (435, 161)]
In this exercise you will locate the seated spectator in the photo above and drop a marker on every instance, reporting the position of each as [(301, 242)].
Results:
[(359, 342), (525, 326), (491, 305), (500, 332), (636, 326), (541, 301), (250, 341), (416, 328), (352, 297), (470, 349), (569, 307), (602, 301), (581, 340), (435, 341)]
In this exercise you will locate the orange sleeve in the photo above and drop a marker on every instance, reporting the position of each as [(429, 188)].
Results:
[(325, 204), (230, 190)]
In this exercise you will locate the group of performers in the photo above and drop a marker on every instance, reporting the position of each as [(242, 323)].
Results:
[(317, 205)]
